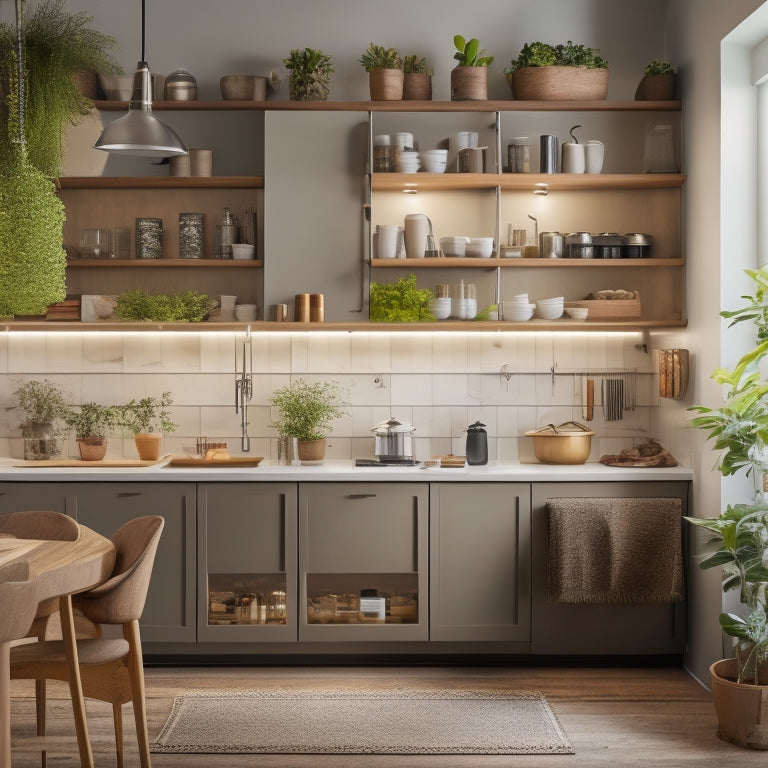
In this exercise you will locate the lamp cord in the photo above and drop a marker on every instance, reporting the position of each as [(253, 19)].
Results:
[(143, 28)]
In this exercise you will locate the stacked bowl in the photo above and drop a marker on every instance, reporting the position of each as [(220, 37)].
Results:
[(517, 309), (479, 247), (407, 161), (455, 247), (440, 307), (434, 160), (550, 309)]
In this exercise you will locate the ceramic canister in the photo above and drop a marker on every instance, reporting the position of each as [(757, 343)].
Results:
[(417, 228)]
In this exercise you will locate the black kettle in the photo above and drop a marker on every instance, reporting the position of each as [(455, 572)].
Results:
[(477, 444)]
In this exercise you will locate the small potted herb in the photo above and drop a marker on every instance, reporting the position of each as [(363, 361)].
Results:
[(469, 78), (657, 83), (570, 71), (309, 74), (385, 72), (305, 410), (148, 419), (91, 424), (400, 302), (417, 82), (45, 407)]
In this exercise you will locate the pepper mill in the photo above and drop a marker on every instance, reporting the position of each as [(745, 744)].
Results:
[(477, 444)]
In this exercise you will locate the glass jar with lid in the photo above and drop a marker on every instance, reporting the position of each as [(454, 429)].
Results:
[(180, 85)]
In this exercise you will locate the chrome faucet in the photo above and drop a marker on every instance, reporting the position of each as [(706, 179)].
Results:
[(244, 388)]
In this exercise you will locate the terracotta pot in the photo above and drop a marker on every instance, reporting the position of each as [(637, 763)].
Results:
[(417, 87), (558, 84), (386, 84), (469, 83), (311, 450), (742, 709), (92, 448), (149, 445), (656, 88)]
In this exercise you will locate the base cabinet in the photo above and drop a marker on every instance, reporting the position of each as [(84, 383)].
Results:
[(480, 561)]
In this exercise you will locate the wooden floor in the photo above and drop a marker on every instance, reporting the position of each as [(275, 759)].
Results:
[(613, 717)]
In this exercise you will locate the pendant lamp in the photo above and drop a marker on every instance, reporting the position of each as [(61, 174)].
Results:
[(139, 132)]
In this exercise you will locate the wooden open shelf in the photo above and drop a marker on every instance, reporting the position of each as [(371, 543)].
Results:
[(161, 182), (492, 263), (160, 263)]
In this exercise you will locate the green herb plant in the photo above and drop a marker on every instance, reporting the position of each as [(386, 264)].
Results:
[(147, 415), (570, 54), (91, 420), (309, 75), (412, 64), (468, 53), (187, 306), (305, 409), (400, 302), (43, 401), (657, 67), (378, 57)]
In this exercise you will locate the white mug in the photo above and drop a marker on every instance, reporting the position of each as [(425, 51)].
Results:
[(387, 240), (417, 227), (574, 157), (594, 154)]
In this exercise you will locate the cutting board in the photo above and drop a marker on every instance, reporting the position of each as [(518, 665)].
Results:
[(236, 461), (105, 463)]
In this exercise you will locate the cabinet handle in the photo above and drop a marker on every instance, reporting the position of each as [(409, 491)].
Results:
[(361, 496), (127, 494)]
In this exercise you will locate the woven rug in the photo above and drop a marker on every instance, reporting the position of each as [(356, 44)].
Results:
[(371, 722)]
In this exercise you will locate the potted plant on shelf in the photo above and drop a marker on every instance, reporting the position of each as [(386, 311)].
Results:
[(657, 83), (469, 78), (91, 424), (45, 407), (385, 72), (739, 429), (544, 72), (400, 302), (309, 74), (417, 79), (305, 410), (148, 419)]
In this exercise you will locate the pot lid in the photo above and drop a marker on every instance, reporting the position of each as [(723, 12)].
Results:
[(637, 238), (566, 429), (392, 426)]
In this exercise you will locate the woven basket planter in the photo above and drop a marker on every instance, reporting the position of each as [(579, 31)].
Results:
[(469, 84), (558, 84), (386, 84), (417, 86)]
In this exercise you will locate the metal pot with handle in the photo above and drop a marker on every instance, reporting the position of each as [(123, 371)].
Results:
[(393, 440)]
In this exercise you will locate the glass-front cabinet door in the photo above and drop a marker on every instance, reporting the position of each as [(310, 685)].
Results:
[(246, 562), (363, 561)]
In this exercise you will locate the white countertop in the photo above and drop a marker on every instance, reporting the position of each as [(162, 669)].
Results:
[(342, 471)]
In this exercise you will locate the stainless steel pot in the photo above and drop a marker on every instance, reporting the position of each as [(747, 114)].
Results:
[(393, 440)]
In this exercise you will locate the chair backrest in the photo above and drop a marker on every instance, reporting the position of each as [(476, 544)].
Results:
[(40, 524), (121, 598)]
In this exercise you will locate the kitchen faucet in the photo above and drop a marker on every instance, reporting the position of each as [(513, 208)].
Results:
[(244, 388)]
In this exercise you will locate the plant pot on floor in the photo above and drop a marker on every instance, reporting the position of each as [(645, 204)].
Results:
[(656, 88), (149, 445), (312, 450), (742, 708), (558, 83), (386, 84), (469, 84), (417, 86), (92, 448)]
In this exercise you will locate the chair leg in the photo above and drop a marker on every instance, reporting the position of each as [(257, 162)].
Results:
[(136, 673), (117, 718), (40, 692)]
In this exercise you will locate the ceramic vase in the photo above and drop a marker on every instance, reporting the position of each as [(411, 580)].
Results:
[(149, 445), (92, 448)]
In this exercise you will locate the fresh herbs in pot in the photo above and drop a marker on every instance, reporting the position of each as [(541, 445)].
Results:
[(400, 302), (306, 409), (187, 306)]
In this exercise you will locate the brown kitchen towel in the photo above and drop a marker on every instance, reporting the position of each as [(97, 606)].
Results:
[(615, 550)]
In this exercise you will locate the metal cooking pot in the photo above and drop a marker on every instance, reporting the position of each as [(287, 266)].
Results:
[(568, 443), (393, 440)]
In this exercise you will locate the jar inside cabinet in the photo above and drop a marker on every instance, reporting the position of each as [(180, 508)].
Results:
[(247, 598)]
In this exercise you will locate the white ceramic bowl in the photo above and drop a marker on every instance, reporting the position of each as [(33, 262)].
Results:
[(480, 247), (245, 312), (518, 314), (440, 308), (243, 251), (578, 313), (454, 246), (546, 312), (519, 297)]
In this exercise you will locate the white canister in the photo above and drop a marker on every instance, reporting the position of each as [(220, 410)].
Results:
[(574, 158), (594, 152), (387, 236), (402, 140), (417, 228)]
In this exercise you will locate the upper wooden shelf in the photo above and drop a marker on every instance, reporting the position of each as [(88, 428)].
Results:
[(515, 263), (604, 105), (523, 182), (159, 263), (161, 182)]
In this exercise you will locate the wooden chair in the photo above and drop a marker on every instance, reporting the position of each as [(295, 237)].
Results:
[(111, 670)]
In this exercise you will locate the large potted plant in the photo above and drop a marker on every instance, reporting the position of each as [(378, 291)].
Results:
[(739, 430), (417, 80), (469, 78), (45, 410), (309, 74), (657, 83), (385, 72), (91, 424), (306, 410), (544, 72), (148, 419)]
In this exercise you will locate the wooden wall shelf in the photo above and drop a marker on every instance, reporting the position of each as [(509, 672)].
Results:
[(167, 263), (161, 182), (492, 263)]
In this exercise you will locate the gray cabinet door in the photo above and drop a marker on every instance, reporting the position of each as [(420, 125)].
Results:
[(363, 538), (15, 497), (480, 561), (169, 612), (246, 547), (574, 629)]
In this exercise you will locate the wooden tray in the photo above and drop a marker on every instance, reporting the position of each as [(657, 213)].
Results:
[(236, 461), (609, 309), (105, 463)]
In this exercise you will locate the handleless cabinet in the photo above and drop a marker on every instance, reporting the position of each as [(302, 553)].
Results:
[(15, 497)]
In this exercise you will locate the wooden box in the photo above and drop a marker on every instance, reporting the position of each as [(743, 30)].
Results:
[(609, 309)]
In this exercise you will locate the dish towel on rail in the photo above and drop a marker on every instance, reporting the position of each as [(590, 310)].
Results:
[(615, 550)]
